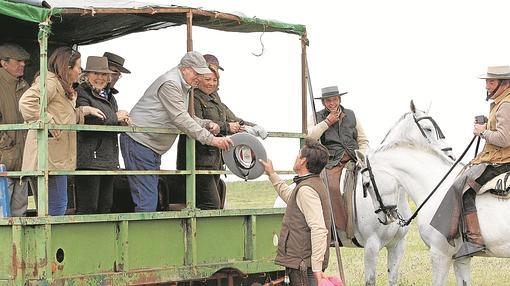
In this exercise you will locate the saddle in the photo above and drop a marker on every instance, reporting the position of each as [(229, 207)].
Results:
[(498, 186)]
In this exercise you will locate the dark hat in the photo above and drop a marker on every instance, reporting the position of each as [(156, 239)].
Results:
[(213, 60), (330, 91), (13, 51), (196, 61), (243, 158), (116, 61), (97, 64), (497, 72)]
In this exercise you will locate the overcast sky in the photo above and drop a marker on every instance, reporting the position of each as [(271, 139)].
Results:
[(384, 53)]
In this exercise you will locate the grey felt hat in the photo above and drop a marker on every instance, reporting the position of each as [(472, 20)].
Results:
[(497, 72), (97, 64), (330, 91), (243, 158)]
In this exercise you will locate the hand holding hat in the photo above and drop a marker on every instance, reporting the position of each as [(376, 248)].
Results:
[(268, 166)]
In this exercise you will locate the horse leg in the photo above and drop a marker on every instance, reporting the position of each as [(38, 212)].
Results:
[(395, 254), (440, 265), (462, 269), (372, 248)]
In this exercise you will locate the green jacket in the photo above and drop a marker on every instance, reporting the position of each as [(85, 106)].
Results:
[(11, 142)]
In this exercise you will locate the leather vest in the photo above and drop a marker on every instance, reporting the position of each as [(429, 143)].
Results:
[(295, 244), (492, 153), (338, 135)]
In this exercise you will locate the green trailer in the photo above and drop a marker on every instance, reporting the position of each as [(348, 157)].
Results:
[(168, 248)]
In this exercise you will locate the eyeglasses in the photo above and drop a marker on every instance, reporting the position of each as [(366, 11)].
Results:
[(73, 52)]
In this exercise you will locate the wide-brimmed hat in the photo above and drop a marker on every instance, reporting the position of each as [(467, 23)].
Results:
[(116, 61), (497, 72), (330, 91), (243, 158), (196, 61), (213, 60), (97, 64), (13, 51)]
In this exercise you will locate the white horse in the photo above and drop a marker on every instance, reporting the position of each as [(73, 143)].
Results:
[(373, 235), (412, 161)]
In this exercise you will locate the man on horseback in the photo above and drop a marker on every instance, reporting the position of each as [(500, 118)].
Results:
[(492, 161), (339, 130)]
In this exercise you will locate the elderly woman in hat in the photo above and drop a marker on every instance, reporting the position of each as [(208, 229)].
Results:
[(64, 67), (492, 161), (211, 190), (97, 150)]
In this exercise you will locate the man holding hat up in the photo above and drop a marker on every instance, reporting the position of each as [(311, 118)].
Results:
[(492, 161), (12, 85), (165, 104), (340, 131)]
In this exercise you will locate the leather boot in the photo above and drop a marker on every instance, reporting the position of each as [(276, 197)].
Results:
[(474, 243)]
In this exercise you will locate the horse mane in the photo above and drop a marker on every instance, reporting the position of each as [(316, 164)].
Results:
[(399, 135)]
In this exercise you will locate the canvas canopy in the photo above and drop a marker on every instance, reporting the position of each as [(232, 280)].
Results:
[(92, 21)]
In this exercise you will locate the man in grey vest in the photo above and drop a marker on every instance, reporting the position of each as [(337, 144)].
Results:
[(12, 85), (164, 105), (303, 245), (340, 131)]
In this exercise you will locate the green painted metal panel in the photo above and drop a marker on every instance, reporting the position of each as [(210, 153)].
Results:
[(5, 252), (155, 244), (78, 249), (220, 239), (267, 229)]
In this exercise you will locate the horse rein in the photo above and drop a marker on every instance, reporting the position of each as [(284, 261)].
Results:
[(386, 209)]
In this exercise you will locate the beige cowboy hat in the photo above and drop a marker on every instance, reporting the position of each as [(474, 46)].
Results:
[(97, 64), (497, 72)]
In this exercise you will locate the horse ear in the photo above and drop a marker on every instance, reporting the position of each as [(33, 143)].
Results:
[(413, 108), (360, 159)]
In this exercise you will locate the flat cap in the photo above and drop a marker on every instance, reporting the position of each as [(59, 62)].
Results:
[(13, 51)]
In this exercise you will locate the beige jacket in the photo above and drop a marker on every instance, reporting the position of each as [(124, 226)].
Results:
[(11, 142), (61, 110)]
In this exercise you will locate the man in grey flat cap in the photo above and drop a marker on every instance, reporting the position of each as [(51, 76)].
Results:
[(165, 104), (12, 85), (340, 131)]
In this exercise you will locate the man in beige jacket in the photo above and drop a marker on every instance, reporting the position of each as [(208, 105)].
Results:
[(12, 85)]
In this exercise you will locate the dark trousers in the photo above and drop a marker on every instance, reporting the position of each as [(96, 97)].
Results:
[(208, 195), (299, 278), (94, 194), (468, 199), (144, 188)]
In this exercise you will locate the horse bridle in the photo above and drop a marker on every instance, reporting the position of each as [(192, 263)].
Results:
[(386, 209), (439, 132)]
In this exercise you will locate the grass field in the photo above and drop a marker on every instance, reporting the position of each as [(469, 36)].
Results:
[(415, 268)]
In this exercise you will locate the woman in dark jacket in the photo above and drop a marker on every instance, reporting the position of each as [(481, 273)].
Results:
[(97, 150), (210, 189)]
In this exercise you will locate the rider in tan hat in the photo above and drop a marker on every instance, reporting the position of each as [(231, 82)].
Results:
[(492, 161)]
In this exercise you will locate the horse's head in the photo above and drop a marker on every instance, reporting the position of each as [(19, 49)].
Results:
[(418, 128), (385, 202)]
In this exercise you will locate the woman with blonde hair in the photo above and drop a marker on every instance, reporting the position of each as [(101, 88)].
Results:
[(64, 67)]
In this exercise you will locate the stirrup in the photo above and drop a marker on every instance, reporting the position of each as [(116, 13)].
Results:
[(469, 249)]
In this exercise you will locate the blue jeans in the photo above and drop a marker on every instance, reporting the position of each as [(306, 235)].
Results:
[(144, 188), (57, 195)]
